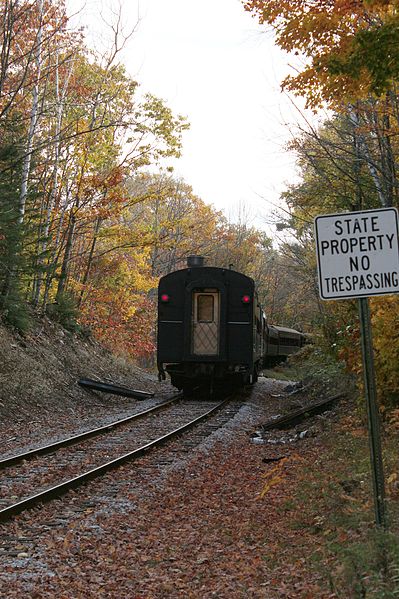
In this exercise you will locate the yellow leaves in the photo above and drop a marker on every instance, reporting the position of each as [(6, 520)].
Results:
[(385, 4), (385, 320), (273, 477), (276, 475), (327, 33), (385, 330), (269, 484)]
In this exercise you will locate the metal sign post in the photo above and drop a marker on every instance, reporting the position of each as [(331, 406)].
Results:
[(377, 468), (358, 257)]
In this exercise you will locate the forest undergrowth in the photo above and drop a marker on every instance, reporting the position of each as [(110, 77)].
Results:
[(333, 500)]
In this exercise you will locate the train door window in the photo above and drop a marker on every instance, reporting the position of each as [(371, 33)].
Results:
[(205, 308), (205, 323)]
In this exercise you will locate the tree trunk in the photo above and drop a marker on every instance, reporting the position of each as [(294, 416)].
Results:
[(365, 154), (90, 259), (67, 257), (60, 99), (34, 116)]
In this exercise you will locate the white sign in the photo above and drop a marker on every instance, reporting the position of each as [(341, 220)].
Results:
[(357, 253)]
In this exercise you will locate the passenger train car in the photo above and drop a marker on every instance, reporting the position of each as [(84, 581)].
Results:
[(212, 328)]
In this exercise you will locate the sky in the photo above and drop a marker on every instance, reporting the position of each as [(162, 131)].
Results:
[(210, 61)]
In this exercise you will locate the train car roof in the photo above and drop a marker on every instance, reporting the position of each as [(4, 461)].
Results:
[(204, 270), (286, 330)]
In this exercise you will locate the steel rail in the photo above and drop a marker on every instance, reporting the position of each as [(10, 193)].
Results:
[(45, 449), (299, 414), (62, 488)]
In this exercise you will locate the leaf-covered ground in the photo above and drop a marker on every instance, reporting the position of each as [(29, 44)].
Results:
[(238, 519), (204, 533), (286, 518)]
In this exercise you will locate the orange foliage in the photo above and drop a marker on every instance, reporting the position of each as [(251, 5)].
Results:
[(323, 32), (385, 320), (121, 323), (385, 331)]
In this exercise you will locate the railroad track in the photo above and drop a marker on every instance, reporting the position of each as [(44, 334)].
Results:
[(296, 416), (89, 455), (74, 439)]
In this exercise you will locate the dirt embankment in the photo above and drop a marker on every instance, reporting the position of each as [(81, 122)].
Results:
[(39, 373)]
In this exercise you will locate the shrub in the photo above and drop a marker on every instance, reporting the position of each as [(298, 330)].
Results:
[(64, 311)]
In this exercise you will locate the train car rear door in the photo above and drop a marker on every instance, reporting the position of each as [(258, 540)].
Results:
[(205, 323)]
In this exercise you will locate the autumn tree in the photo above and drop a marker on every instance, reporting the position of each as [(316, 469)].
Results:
[(345, 45), (121, 136), (349, 61), (75, 129), (29, 33), (334, 180), (161, 222)]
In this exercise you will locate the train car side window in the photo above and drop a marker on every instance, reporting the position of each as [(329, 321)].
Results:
[(205, 308)]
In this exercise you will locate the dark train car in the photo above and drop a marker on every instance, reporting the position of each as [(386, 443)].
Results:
[(280, 343), (289, 340), (210, 326), (271, 354)]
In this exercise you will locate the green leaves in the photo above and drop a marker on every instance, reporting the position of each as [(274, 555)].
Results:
[(373, 51)]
